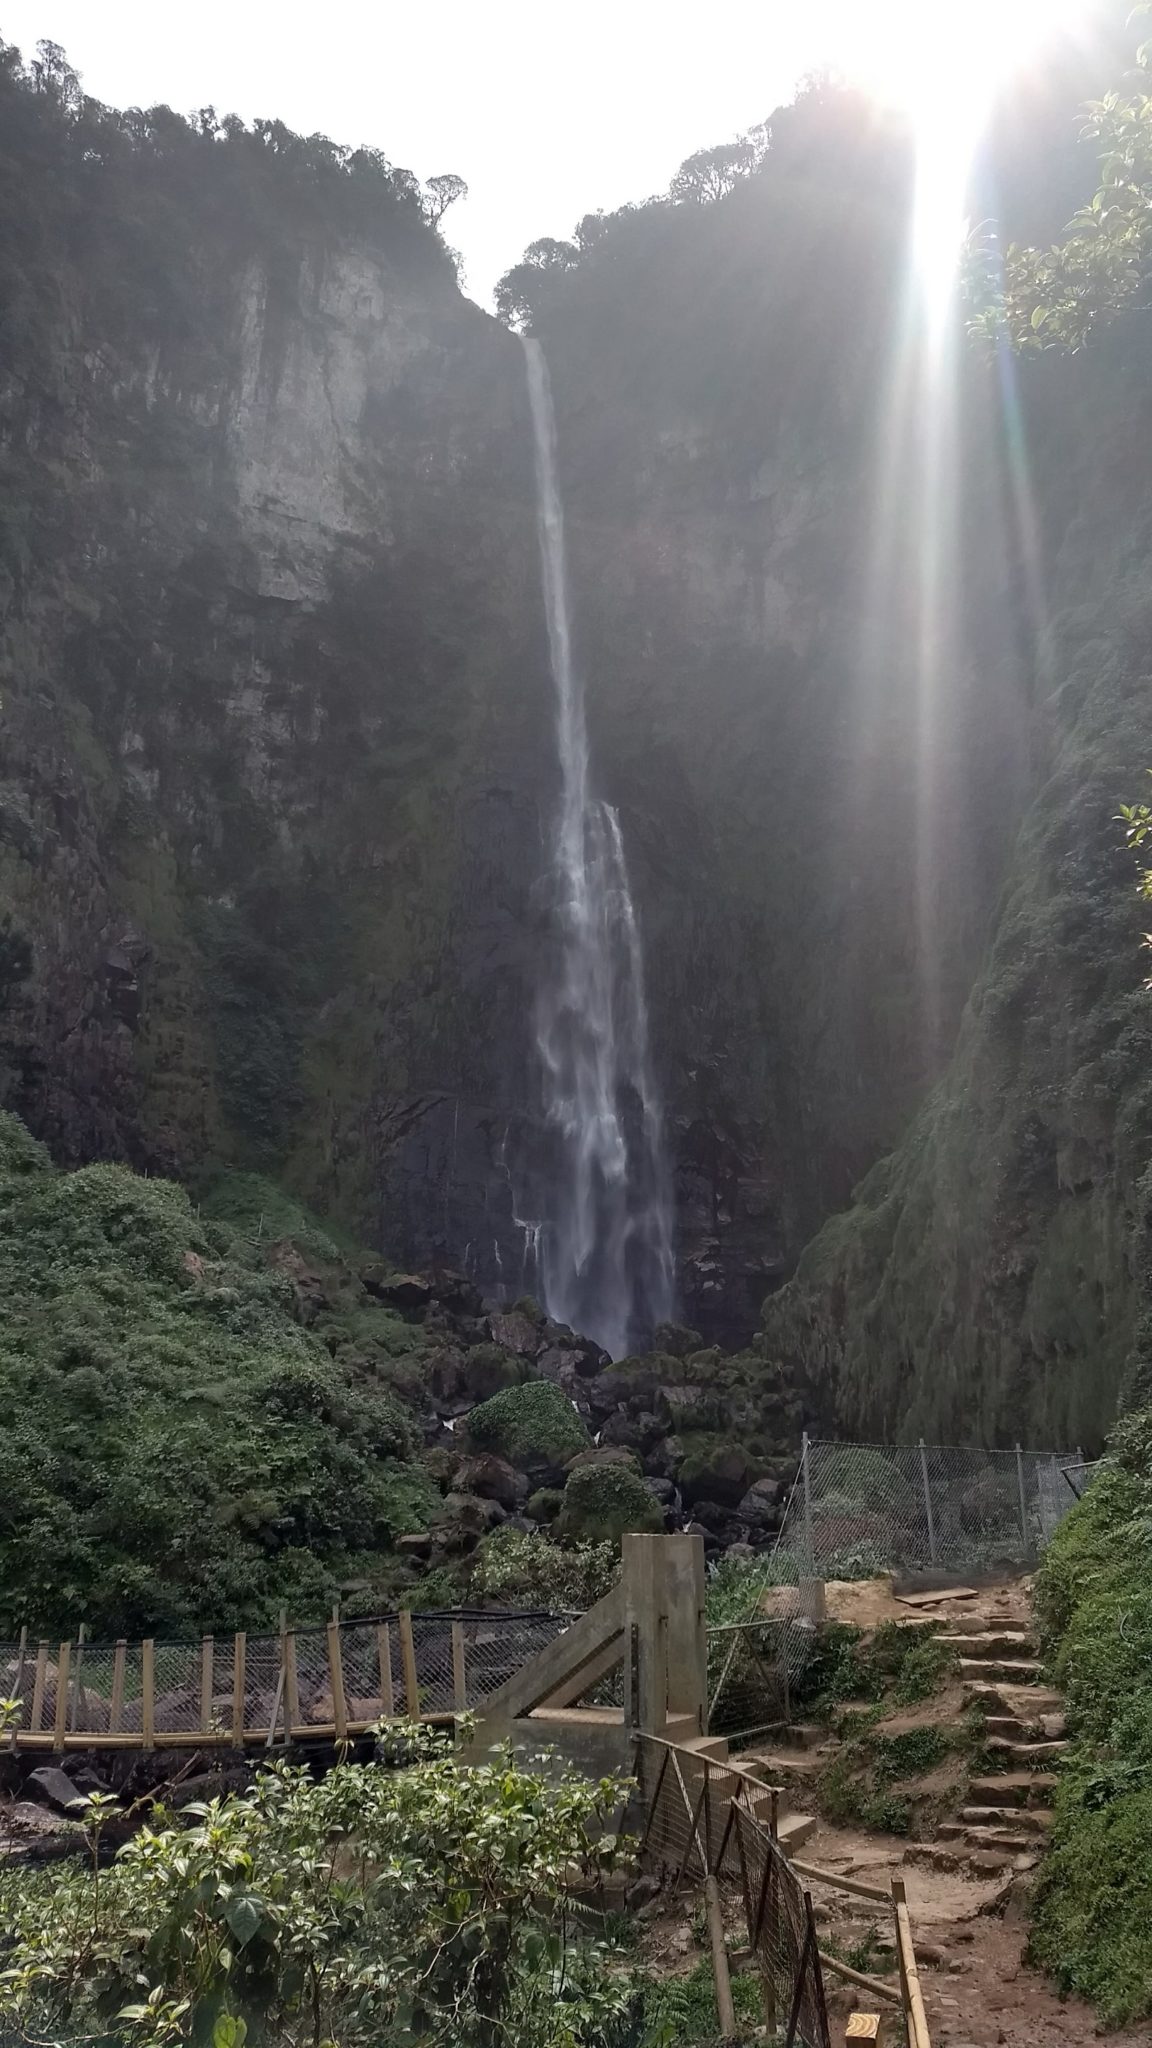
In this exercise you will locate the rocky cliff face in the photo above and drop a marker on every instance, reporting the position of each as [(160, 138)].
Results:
[(274, 737)]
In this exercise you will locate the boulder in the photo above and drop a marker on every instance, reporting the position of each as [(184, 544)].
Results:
[(515, 1331), (664, 1459), (464, 1519), (51, 1788), (445, 1376), (676, 1339), (417, 1545), (493, 1478), (561, 1367), (604, 1454), (401, 1290), (603, 1501), (759, 1505), (634, 1432), (723, 1471), (544, 1505), (664, 1490), (533, 1426), (488, 1370)]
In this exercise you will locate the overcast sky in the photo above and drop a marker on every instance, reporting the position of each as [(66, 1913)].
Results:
[(548, 112)]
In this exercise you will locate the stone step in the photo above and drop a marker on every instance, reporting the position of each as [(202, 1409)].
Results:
[(1020, 1843), (992, 1644), (715, 1747), (1013, 1670), (1026, 1752), (772, 1765), (1012, 1788), (1022, 1702), (793, 1829), (944, 1856), (1033, 1820)]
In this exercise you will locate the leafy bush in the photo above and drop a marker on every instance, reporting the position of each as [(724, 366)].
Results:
[(527, 1569), (601, 1502), (177, 1453), (425, 1904), (1092, 1926), (532, 1424)]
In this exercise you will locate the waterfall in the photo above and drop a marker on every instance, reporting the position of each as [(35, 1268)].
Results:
[(604, 1249)]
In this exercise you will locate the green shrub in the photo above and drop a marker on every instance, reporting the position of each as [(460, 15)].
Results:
[(680, 2012), (602, 1502), (177, 1454), (529, 1425), (424, 1904), (1092, 1924), (526, 1569)]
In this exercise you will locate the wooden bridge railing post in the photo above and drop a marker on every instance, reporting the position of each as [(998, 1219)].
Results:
[(207, 1682), (384, 1659), (336, 1673), (18, 1688), (239, 1674), (61, 1721), (38, 1686), (116, 1697), (459, 1669), (291, 1686), (408, 1659), (148, 1692)]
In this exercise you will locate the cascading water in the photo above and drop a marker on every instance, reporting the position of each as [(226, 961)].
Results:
[(605, 1248)]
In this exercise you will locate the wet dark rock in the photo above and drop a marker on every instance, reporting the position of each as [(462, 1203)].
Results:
[(759, 1505), (515, 1332), (676, 1339), (663, 1490), (723, 1472), (402, 1290), (635, 1432), (488, 1370), (51, 1787), (492, 1478), (416, 1545), (604, 1454)]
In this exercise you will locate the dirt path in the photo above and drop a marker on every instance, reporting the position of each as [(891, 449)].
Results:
[(978, 1990)]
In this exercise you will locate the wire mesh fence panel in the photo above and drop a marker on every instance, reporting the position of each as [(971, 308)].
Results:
[(782, 1937)]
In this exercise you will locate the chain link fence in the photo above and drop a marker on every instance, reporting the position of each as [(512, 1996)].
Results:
[(860, 1510), (338, 1680)]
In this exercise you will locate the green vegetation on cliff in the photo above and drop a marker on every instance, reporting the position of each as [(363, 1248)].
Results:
[(177, 1453), (1092, 1926)]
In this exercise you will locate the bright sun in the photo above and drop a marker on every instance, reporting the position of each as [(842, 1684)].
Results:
[(942, 66)]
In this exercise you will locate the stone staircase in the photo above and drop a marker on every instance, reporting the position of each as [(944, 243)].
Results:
[(1003, 1827), (793, 1827)]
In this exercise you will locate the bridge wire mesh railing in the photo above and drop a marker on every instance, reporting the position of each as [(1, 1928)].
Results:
[(339, 1678), (703, 1819), (858, 1510)]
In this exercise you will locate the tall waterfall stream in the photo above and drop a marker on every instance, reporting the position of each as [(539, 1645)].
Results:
[(605, 1247)]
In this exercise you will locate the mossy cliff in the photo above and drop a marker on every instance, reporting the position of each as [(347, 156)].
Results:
[(991, 1277), (270, 637)]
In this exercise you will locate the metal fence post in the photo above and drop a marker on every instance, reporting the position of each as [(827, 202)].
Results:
[(1023, 1500), (928, 1502), (806, 1472)]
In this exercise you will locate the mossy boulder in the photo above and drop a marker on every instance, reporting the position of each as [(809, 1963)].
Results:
[(718, 1470), (533, 1426), (604, 1501), (545, 1504), (487, 1370)]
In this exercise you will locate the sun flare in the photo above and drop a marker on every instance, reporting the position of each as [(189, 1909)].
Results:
[(943, 69)]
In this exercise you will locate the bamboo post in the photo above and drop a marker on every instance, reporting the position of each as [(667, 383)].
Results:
[(77, 1689), (38, 1685), (384, 1659), (207, 1659), (239, 1672), (148, 1691), (291, 1685), (408, 1661), (725, 2010), (927, 1502), (116, 1701), (278, 1694), (336, 1672), (18, 1688), (61, 1722), (459, 1673), (774, 1812), (909, 1975)]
